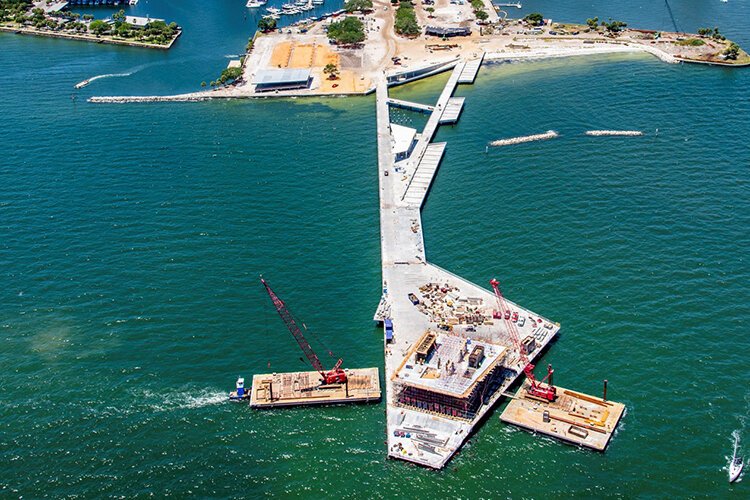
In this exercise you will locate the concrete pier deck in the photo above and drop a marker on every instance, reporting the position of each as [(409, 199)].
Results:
[(303, 389), (421, 435), (573, 417)]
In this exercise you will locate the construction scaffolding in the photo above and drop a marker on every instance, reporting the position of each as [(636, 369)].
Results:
[(440, 376)]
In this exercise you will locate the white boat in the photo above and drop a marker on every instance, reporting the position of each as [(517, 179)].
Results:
[(82, 84), (735, 466), (255, 3), (273, 10), (318, 2)]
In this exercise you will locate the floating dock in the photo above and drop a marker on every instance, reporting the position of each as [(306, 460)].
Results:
[(452, 110), (303, 389), (573, 417)]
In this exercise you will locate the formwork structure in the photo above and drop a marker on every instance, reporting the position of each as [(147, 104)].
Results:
[(448, 375)]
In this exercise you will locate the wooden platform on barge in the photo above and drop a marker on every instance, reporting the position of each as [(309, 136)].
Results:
[(303, 388), (573, 417)]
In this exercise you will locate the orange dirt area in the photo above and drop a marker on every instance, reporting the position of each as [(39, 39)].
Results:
[(302, 55), (348, 81), (324, 55), (281, 54)]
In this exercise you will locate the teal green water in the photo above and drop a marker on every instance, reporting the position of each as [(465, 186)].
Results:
[(131, 238)]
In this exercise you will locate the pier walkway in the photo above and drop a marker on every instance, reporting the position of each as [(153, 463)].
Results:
[(403, 188), (420, 182), (471, 68), (452, 110), (414, 106)]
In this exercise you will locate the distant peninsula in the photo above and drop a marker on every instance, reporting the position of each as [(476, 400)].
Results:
[(52, 18)]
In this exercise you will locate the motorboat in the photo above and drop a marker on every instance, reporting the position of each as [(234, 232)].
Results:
[(82, 84), (255, 3), (273, 10), (240, 394), (737, 463)]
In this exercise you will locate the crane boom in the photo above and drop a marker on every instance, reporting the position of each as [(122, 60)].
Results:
[(547, 391), (509, 325), (336, 375)]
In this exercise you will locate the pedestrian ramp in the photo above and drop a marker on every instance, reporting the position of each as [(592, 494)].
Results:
[(420, 182), (452, 110), (471, 68)]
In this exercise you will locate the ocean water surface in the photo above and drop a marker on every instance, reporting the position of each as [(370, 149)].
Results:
[(132, 237)]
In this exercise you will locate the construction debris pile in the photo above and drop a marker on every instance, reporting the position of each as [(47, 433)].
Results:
[(444, 305)]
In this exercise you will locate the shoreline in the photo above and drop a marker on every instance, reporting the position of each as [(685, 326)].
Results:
[(87, 37), (491, 58)]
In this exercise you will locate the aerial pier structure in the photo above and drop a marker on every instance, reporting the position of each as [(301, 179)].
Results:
[(449, 360)]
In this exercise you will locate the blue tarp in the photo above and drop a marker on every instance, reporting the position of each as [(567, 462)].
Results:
[(388, 329)]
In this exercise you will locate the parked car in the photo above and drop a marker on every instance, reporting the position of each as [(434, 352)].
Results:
[(507, 314), (521, 321), (515, 316)]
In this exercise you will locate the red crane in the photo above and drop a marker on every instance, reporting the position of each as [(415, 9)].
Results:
[(335, 375), (547, 391)]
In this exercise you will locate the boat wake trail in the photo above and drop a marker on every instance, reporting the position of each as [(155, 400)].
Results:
[(109, 75), (114, 75), (186, 399)]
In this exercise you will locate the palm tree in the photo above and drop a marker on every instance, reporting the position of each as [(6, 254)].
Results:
[(332, 71)]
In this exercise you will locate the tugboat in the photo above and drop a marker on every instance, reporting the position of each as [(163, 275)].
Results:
[(240, 394), (735, 466)]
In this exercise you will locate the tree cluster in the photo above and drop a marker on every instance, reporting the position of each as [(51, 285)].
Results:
[(711, 33), (13, 10), (732, 52), (614, 26), (358, 5), (348, 31), (267, 24), (406, 20), (479, 11), (534, 19)]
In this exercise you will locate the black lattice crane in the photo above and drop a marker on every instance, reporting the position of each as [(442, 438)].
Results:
[(335, 375)]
